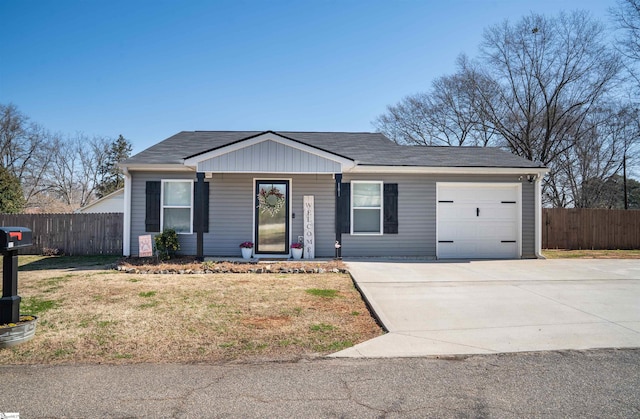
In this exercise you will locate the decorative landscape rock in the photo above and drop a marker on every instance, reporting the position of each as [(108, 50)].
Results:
[(189, 266)]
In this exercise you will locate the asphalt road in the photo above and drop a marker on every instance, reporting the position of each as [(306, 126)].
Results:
[(598, 383)]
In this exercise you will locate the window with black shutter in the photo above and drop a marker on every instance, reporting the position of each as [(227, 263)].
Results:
[(152, 212), (390, 208), (344, 208)]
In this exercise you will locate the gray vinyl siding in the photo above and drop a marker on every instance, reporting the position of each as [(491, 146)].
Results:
[(528, 220), (323, 188), (417, 216), (138, 208), (231, 206), (232, 203), (416, 229), (269, 156)]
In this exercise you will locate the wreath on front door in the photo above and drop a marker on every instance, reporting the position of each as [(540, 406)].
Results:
[(270, 201)]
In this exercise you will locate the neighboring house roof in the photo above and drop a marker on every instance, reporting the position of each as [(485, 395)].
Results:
[(365, 148), (114, 202)]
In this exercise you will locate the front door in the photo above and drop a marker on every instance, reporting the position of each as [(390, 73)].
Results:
[(272, 217)]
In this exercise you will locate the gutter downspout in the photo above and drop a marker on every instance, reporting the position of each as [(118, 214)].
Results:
[(126, 229), (538, 218)]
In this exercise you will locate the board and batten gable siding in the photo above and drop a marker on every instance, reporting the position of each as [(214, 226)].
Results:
[(231, 206), (417, 216), (269, 156)]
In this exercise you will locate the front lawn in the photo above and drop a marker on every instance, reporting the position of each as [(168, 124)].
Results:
[(92, 315)]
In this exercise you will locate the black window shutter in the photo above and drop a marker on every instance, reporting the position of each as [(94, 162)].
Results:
[(152, 213), (390, 208), (344, 208), (205, 221)]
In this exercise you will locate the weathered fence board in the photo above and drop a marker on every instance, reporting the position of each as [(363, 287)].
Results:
[(590, 228), (71, 234)]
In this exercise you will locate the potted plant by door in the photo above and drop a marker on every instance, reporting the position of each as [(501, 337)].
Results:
[(246, 248), (296, 250)]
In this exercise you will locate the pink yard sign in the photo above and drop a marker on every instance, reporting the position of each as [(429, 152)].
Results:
[(145, 245)]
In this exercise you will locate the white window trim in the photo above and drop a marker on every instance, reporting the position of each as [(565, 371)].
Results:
[(163, 206), (381, 183)]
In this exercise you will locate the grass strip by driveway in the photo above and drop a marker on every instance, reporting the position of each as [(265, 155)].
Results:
[(103, 316)]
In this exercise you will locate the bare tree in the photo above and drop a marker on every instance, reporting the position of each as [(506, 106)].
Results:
[(74, 169), (598, 157), (549, 75), (543, 88), (24, 150), (626, 16), (407, 122), (445, 115)]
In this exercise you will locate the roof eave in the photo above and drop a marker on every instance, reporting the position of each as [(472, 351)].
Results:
[(449, 170), (152, 167), (194, 157)]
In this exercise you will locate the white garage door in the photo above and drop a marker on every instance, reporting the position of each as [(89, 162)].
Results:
[(478, 221)]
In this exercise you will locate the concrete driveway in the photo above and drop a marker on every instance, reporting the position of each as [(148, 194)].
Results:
[(476, 307)]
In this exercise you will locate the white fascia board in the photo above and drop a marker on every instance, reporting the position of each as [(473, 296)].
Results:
[(451, 170), (158, 168), (276, 173), (193, 161)]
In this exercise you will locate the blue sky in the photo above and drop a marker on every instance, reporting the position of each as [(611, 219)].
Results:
[(149, 69)]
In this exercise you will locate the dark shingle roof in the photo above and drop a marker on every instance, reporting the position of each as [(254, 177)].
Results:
[(366, 148)]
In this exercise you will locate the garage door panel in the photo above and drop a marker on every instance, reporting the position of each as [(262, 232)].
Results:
[(478, 222), (477, 194), (477, 231), (492, 210), (477, 250)]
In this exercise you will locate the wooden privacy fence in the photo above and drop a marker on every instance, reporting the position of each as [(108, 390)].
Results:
[(590, 228), (71, 234)]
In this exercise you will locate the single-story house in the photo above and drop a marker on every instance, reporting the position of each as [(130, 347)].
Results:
[(354, 192), (113, 202)]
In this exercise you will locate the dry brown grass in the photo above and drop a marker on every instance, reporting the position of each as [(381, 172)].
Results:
[(108, 317), (590, 254)]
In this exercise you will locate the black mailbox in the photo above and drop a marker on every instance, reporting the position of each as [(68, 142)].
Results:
[(14, 238)]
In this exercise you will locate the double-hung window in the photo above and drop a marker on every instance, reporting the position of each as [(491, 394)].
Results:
[(177, 205), (366, 207)]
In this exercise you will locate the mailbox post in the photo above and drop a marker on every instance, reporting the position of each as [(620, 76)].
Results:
[(12, 239)]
